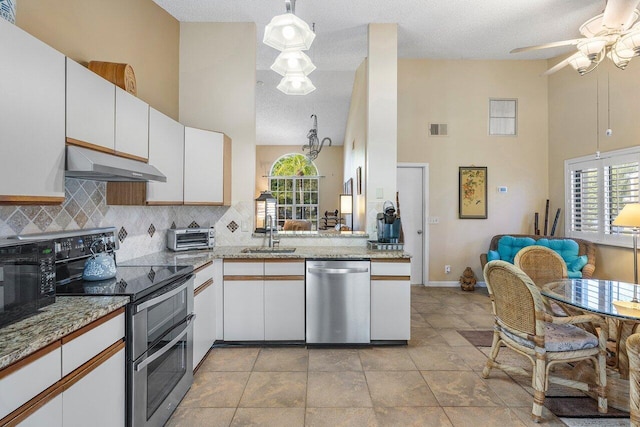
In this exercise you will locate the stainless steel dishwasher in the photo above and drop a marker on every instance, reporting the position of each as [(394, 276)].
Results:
[(338, 302)]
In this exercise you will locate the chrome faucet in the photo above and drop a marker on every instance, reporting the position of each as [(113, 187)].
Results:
[(271, 225)]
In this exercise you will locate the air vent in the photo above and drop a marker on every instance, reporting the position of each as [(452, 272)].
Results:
[(437, 129)]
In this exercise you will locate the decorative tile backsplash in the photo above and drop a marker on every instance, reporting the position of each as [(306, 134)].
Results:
[(141, 229)]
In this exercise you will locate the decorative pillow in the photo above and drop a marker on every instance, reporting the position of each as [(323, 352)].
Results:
[(493, 255), (577, 264), (508, 246), (566, 248)]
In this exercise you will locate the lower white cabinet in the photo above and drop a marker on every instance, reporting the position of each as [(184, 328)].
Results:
[(49, 415), (284, 306), (204, 326), (391, 300), (98, 399), (244, 310)]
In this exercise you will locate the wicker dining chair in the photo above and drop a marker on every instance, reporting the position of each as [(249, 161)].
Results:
[(633, 350), (522, 324)]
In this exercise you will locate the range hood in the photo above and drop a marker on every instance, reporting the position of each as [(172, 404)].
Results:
[(95, 165)]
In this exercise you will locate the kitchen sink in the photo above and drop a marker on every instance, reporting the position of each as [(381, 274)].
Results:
[(267, 250)]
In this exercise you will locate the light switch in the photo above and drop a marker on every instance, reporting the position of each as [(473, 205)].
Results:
[(502, 189)]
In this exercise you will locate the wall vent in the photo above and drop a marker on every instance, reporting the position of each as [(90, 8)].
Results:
[(438, 129)]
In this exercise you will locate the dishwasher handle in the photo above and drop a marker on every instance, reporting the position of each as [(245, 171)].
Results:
[(322, 270)]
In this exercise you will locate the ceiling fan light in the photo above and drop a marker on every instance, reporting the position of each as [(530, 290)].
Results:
[(293, 60), (581, 64), (592, 47), (296, 84), (287, 31), (630, 41)]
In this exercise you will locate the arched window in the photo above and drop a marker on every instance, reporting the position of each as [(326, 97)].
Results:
[(293, 181)]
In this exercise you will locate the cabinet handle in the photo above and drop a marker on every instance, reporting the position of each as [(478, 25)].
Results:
[(337, 270)]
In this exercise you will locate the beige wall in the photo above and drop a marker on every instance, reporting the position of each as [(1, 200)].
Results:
[(572, 133), (355, 142), (329, 164), (457, 93), (217, 91), (135, 32)]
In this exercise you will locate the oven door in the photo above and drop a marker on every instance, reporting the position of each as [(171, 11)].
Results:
[(161, 371)]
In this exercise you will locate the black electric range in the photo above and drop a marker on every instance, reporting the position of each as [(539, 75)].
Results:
[(135, 282)]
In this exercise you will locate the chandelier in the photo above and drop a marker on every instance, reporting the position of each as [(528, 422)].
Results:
[(315, 145)]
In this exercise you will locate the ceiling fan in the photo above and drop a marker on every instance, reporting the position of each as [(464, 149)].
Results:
[(614, 34)]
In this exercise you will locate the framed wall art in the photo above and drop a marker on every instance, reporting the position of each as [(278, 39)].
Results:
[(472, 192), (348, 186)]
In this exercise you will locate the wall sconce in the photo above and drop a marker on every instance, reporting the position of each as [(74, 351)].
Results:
[(265, 208), (346, 206)]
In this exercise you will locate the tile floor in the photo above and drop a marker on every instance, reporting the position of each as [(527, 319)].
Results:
[(434, 381)]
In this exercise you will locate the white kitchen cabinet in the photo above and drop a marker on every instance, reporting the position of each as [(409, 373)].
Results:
[(391, 300), (243, 310), (132, 126), (166, 152), (32, 108), (284, 306), (206, 159), (49, 415), (204, 307), (90, 109), (218, 274)]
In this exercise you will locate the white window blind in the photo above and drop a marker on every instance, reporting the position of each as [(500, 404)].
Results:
[(597, 190)]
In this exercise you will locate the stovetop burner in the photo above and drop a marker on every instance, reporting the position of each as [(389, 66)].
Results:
[(133, 281)]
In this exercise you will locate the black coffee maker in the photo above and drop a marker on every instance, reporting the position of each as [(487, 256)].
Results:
[(389, 224)]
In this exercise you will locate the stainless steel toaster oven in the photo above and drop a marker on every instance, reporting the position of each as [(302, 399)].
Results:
[(184, 239)]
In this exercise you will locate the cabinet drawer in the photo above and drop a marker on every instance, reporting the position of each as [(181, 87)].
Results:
[(29, 380), (390, 268), (79, 348), (203, 275), (243, 268), (283, 268)]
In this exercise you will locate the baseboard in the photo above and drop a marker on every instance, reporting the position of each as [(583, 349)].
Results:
[(449, 284)]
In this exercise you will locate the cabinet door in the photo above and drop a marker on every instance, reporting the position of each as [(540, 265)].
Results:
[(49, 415), (284, 305), (166, 152), (204, 167), (98, 399), (218, 270), (32, 108), (132, 126), (204, 328), (243, 310), (90, 108), (390, 309)]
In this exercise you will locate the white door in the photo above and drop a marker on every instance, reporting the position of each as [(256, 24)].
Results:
[(412, 182)]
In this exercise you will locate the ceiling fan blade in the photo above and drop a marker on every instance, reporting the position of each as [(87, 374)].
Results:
[(572, 42), (561, 64), (618, 14)]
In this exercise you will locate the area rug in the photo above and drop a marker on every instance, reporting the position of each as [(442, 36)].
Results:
[(478, 338), (579, 407)]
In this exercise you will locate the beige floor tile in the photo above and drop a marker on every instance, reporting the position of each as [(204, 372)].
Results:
[(460, 389), (269, 417), (201, 417), (337, 390), (443, 358), (215, 390), (431, 307), (282, 359), (341, 417), (230, 359), (479, 321), (334, 360), (399, 388), (386, 359), (483, 417), (453, 338), (412, 417), (275, 389), (443, 321), (510, 392), (473, 357), (548, 419)]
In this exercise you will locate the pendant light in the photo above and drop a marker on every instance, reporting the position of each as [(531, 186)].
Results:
[(296, 83), (293, 60), (287, 31)]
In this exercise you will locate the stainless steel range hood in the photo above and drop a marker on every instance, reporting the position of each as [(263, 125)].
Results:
[(89, 164)]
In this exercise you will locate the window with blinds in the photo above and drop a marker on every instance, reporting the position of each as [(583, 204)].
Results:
[(597, 191)]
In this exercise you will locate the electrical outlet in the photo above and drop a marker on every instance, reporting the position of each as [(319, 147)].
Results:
[(447, 269)]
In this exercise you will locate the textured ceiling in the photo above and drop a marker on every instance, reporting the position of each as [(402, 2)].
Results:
[(437, 29)]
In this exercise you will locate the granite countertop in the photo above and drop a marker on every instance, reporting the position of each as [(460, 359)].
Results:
[(66, 315), (198, 258)]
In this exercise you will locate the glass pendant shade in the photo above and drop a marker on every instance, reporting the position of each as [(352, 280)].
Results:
[(580, 63), (592, 47), (292, 60), (630, 42), (287, 31), (265, 207), (296, 84)]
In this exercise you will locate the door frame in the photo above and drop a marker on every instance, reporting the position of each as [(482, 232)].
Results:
[(425, 215)]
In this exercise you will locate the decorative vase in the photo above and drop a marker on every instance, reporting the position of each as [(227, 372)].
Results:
[(8, 10)]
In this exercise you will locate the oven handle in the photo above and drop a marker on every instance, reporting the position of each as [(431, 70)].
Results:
[(143, 364), (165, 296), (322, 270)]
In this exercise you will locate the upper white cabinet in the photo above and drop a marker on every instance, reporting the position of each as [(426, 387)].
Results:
[(32, 107), (132, 126), (90, 109), (207, 172), (166, 152)]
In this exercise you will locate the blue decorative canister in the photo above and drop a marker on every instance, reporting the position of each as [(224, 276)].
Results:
[(8, 10)]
